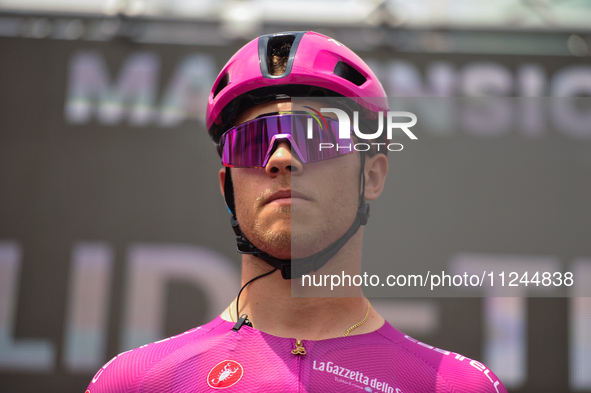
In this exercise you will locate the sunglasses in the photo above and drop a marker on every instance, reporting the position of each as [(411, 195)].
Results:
[(251, 144)]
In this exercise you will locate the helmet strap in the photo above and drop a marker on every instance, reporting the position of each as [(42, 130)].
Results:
[(295, 268)]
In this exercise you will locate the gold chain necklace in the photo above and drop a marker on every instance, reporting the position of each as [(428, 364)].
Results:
[(360, 322), (300, 350)]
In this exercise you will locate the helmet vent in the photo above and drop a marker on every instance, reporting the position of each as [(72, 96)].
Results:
[(278, 49), (277, 53), (223, 83), (349, 73)]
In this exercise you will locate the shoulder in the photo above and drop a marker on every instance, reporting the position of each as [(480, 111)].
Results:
[(454, 372), (126, 371)]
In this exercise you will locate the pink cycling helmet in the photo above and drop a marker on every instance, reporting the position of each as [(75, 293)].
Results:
[(316, 65)]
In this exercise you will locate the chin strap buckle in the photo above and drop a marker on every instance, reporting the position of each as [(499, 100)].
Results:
[(363, 213), (243, 245), (286, 271), (235, 226)]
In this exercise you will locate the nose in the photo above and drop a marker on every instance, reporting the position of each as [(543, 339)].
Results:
[(283, 162)]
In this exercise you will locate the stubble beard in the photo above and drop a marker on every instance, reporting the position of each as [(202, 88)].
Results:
[(295, 232), (299, 237)]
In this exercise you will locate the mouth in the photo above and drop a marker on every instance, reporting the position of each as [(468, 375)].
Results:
[(285, 197)]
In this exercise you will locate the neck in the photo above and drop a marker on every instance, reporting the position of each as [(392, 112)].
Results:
[(272, 307)]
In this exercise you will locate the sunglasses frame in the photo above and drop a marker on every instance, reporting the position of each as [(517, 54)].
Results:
[(279, 137)]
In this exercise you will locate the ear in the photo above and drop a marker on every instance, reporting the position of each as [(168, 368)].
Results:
[(376, 170), (222, 179)]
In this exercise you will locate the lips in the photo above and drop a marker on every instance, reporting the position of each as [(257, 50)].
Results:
[(285, 194)]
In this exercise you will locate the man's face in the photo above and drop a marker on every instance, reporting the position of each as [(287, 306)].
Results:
[(290, 209)]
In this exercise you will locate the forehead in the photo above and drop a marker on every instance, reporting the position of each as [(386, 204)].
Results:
[(275, 106)]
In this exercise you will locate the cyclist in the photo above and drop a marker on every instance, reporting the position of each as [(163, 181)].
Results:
[(296, 210)]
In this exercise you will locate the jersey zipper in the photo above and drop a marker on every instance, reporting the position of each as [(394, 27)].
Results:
[(299, 351), (299, 348)]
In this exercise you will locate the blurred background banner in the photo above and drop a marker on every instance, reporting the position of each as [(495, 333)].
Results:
[(113, 232)]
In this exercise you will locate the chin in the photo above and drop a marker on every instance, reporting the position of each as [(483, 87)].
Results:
[(282, 245), (291, 240), (274, 242)]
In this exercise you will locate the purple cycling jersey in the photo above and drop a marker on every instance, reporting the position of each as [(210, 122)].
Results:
[(215, 357)]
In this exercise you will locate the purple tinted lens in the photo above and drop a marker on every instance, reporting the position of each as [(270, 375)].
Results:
[(248, 145)]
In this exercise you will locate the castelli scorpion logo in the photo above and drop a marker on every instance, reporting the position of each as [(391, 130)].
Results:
[(225, 374)]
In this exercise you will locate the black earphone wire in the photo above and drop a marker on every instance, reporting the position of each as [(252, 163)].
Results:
[(244, 286)]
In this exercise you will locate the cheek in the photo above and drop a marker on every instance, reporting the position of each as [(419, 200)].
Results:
[(346, 196), (340, 185), (244, 195)]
